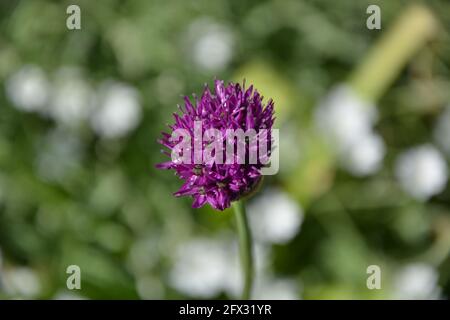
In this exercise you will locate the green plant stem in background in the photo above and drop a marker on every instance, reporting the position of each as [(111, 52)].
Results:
[(245, 247), (395, 48)]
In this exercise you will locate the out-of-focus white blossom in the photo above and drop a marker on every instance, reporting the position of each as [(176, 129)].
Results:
[(417, 281), (261, 266), (343, 117), (422, 171), (275, 217), (59, 154), (442, 130), (72, 98), (118, 110), (212, 44), (204, 268), (28, 89), (276, 289), (347, 122), (365, 156), (21, 283)]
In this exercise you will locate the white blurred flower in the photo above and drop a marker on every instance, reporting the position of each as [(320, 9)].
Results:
[(276, 289), (72, 98), (365, 156), (204, 268), (28, 89), (275, 217), (343, 117), (21, 282), (261, 266), (212, 44), (347, 122), (422, 171), (442, 130), (417, 281), (118, 110), (59, 154)]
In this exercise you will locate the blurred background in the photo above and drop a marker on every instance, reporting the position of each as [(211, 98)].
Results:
[(364, 119)]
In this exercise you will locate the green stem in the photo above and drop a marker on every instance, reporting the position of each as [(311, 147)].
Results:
[(245, 247), (391, 53)]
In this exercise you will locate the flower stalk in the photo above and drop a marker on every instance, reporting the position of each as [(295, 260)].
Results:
[(385, 61), (245, 247)]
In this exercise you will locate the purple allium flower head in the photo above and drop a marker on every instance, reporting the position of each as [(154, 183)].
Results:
[(228, 107)]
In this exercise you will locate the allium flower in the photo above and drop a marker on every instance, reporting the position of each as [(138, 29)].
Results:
[(229, 107)]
